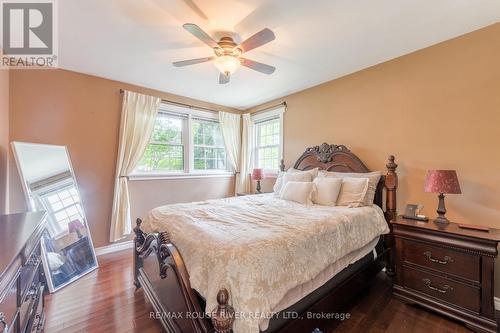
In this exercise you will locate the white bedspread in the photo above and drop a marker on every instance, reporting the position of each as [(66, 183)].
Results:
[(259, 247)]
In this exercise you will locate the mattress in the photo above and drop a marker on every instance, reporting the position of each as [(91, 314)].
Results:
[(266, 252)]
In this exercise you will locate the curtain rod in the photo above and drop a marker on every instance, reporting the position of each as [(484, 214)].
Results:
[(271, 107), (182, 104)]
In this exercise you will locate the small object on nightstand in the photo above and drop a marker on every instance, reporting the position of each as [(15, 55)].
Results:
[(258, 175), (474, 227), (448, 269), (442, 181), (411, 212)]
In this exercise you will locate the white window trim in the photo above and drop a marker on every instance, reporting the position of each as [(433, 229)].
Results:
[(188, 143), (277, 112)]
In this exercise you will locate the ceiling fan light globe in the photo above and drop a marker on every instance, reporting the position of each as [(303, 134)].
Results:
[(227, 64)]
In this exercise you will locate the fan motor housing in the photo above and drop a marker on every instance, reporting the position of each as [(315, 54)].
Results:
[(227, 47)]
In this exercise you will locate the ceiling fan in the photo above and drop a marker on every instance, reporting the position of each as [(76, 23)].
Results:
[(227, 57)]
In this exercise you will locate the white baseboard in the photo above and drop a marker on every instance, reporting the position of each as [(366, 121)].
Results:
[(114, 247), (497, 303)]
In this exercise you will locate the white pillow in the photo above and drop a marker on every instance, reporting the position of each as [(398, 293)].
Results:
[(353, 192), (278, 185), (55, 260), (327, 190), (373, 179), (300, 192)]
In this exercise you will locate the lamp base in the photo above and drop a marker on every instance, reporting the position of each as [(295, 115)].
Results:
[(258, 187), (441, 219)]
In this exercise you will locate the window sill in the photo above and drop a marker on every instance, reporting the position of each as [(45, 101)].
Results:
[(163, 176)]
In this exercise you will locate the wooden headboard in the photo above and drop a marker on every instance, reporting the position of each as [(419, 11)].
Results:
[(339, 158)]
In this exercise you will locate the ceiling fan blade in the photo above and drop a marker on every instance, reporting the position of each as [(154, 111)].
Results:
[(257, 66), (262, 37), (223, 78), (201, 35), (191, 61)]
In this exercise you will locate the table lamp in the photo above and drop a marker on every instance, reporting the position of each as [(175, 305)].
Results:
[(258, 175), (442, 181), (75, 226)]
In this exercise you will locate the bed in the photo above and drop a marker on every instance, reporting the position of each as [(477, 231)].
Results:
[(261, 264)]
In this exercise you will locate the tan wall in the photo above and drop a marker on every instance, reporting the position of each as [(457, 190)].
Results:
[(144, 193), (4, 139), (438, 108), (83, 112)]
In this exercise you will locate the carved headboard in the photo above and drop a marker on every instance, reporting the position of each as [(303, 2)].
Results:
[(339, 158)]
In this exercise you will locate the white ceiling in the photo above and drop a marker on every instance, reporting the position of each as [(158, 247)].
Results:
[(316, 40), (40, 161)]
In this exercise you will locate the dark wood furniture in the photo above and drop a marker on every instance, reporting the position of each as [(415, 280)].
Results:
[(160, 270), (21, 273), (447, 269)]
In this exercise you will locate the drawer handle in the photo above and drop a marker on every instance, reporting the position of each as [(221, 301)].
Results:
[(443, 290), (5, 327), (32, 292), (34, 261), (446, 260)]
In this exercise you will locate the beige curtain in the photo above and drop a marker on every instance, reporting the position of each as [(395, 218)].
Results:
[(244, 184), (137, 123), (230, 125)]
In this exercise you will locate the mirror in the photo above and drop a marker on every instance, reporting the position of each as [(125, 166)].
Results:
[(49, 184)]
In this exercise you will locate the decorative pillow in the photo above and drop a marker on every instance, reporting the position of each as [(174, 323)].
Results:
[(373, 179), (278, 185), (300, 192), (353, 192), (327, 190)]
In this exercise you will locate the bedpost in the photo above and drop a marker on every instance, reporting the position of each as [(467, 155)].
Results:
[(223, 314), (138, 241), (282, 166), (391, 185)]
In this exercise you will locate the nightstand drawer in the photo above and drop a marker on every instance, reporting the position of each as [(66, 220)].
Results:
[(442, 259), (459, 294)]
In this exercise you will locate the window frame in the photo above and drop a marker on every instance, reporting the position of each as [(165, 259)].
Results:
[(262, 117), (188, 115)]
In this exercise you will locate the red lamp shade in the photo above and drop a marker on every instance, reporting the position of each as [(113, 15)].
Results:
[(442, 181), (257, 174), (74, 226)]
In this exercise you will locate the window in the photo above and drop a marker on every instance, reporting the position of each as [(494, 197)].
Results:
[(63, 206), (165, 151), (184, 141), (268, 139), (209, 151)]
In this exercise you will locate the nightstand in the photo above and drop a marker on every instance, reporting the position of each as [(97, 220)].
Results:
[(447, 269)]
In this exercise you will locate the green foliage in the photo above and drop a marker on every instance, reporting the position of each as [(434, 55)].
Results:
[(165, 151)]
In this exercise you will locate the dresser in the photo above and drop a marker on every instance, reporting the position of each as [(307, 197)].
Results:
[(447, 269), (21, 273)]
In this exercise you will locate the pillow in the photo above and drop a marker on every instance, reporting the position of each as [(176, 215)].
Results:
[(353, 192), (300, 192), (327, 190), (278, 185), (55, 260), (373, 179)]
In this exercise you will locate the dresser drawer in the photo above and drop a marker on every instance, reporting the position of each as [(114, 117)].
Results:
[(27, 308), (8, 307), (29, 271), (442, 259), (447, 290)]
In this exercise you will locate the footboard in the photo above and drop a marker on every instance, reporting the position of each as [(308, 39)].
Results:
[(160, 271)]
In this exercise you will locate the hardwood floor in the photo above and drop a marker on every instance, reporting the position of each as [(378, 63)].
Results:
[(106, 301)]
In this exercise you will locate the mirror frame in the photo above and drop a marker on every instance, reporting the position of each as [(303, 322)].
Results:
[(31, 207)]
